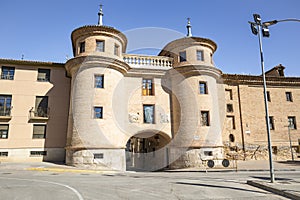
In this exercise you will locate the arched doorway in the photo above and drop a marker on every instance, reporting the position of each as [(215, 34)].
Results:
[(147, 151)]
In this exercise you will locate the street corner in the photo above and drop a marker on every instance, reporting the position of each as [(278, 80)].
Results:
[(286, 189)]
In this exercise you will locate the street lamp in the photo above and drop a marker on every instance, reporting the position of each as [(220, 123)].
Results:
[(291, 147), (255, 28)]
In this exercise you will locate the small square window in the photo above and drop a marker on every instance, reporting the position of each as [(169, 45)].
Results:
[(39, 131), (203, 88), (43, 75), (292, 122), (200, 55), (204, 118), (3, 153), (7, 73), (148, 114), (289, 96), (268, 96), (271, 123), (4, 131), (98, 156), (99, 81), (100, 45), (38, 153), (98, 112), (229, 108), (182, 56), (81, 47), (117, 50)]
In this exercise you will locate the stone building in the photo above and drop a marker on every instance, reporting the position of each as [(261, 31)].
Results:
[(107, 109)]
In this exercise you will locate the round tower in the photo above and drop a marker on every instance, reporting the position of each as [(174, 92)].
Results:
[(97, 67), (197, 100)]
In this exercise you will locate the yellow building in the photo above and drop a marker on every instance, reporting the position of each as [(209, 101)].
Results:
[(110, 110)]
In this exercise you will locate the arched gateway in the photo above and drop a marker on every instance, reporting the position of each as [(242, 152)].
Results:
[(148, 151)]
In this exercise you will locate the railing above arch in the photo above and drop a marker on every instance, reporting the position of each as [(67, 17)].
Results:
[(155, 61)]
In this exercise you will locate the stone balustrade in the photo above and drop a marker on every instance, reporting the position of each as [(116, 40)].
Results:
[(141, 60)]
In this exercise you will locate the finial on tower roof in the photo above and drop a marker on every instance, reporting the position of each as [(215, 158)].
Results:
[(189, 28), (100, 16)]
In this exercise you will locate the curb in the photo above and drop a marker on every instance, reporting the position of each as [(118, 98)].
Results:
[(267, 187), (69, 170)]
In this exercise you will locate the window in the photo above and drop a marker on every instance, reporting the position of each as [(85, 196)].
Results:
[(202, 87), (228, 93), (229, 108), (268, 96), (3, 153), (39, 131), (271, 123), (41, 106), (8, 73), (38, 153), (289, 96), (5, 105), (231, 138), (43, 75), (204, 118), (99, 81), (208, 153), (292, 122), (148, 114), (98, 112), (182, 56), (200, 55), (147, 87), (117, 50), (98, 156), (230, 122), (100, 45), (4, 131), (82, 47)]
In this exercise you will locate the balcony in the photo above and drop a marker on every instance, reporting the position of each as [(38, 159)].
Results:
[(5, 113), (7, 77), (39, 114), (140, 61)]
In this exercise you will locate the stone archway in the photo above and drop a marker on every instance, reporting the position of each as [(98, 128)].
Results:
[(147, 151)]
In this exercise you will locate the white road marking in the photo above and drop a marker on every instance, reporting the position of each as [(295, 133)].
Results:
[(49, 182)]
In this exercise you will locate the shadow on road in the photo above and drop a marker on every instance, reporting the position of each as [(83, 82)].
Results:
[(219, 186)]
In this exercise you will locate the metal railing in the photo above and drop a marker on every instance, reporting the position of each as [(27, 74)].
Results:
[(7, 76), (39, 112), (5, 111)]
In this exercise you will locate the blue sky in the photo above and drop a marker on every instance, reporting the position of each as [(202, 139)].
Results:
[(41, 29)]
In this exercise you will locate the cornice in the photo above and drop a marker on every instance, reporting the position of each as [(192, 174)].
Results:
[(75, 63), (188, 41), (257, 80), (30, 62)]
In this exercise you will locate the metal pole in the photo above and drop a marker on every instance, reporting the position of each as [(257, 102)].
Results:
[(289, 127), (266, 104)]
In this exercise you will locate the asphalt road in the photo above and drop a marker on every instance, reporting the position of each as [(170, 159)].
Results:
[(36, 185)]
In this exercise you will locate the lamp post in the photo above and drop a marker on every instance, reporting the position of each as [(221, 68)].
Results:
[(258, 28), (291, 147)]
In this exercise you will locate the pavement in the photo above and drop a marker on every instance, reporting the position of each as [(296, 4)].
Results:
[(289, 188)]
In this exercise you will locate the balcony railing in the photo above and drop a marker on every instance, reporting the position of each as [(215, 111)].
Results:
[(148, 60), (39, 113), (5, 111), (7, 76)]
